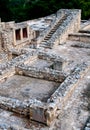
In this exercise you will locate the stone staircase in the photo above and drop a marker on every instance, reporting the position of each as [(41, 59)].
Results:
[(53, 30)]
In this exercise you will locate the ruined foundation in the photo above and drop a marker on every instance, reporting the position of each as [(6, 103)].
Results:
[(39, 69)]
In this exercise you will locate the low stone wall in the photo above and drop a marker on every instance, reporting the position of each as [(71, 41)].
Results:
[(50, 56), (46, 73), (65, 90), (35, 109), (8, 69), (82, 37), (58, 61)]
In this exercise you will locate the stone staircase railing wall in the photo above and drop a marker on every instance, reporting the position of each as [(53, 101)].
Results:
[(58, 16), (70, 24)]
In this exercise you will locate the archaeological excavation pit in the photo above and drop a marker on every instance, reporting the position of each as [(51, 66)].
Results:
[(37, 98), (27, 92), (29, 96)]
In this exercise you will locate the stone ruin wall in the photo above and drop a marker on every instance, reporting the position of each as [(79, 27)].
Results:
[(45, 73)]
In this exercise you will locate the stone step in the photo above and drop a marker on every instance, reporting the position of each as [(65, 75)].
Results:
[(84, 31), (47, 37), (45, 40)]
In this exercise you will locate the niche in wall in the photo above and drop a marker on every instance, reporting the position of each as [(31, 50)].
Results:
[(25, 33), (17, 33)]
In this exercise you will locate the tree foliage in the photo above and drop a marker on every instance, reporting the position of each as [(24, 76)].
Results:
[(21, 10)]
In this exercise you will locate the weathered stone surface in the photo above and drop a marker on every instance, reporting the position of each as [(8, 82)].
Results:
[(82, 37), (50, 59)]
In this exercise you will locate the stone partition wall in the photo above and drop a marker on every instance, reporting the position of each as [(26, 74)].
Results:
[(7, 69), (46, 73), (58, 61)]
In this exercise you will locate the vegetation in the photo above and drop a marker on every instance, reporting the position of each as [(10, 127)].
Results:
[(21, 10)]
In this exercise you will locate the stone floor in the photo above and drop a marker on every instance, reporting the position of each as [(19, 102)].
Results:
[(73, 55), (22, 88), (39, 63)]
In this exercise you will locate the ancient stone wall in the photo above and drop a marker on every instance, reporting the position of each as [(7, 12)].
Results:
[(82, 37), (7, 39), (46, 73), (58, 61)]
